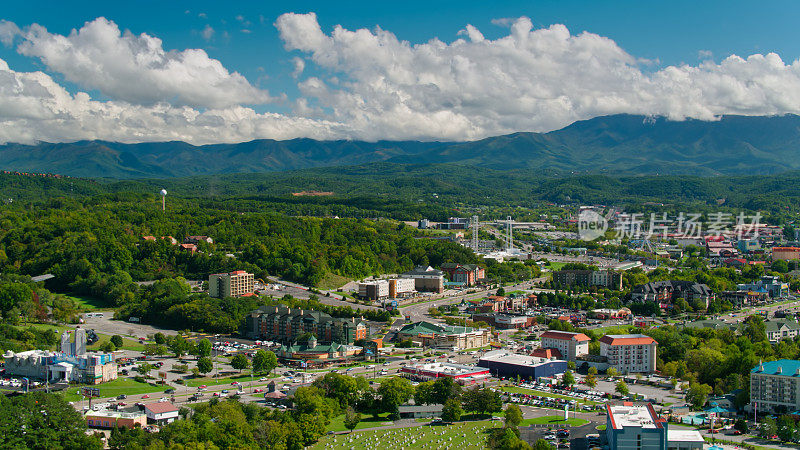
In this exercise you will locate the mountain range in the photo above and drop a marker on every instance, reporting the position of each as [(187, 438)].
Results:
[(618, 144)]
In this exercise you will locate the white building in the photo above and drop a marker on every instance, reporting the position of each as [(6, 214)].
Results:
[(570, 345), (401, 287), (629, 353), (161, 412), (373, 290), (234, 284)]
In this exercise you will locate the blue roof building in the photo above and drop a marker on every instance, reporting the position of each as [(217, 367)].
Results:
[(775, 386)]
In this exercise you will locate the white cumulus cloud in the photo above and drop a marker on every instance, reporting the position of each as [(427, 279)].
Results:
[(137, 69), (529, 80), (33, 107)]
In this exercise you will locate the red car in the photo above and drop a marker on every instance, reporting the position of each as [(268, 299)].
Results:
[(145, 396), (202, 387), (258, 390), (235, 383)]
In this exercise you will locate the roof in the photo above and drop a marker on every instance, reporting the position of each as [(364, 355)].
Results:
[(506, 357), (161, 407), (629, 415), (546, 353), (776, 325), (682, 435), (785, 367), (627, 339), (422, 270), (565, 335), (786, 249)]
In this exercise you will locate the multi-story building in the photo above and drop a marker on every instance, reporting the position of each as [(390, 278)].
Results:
[(444, 336), (775, 386), (781, 329), (233, 284), (605, 278), (373, 290), (72, 363), (665, 293), (570, 345), (426, 279), (629, 353), (401, 287), (282, 324), (468, 274), (637, 427)]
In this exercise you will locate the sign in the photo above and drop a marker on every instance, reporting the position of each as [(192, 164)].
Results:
[(90, 392), (162, 375)]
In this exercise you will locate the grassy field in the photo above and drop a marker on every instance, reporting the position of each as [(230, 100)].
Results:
[(555, 421), (337, 423), (519, 390), (90, 303), (111, 389), (600, 428), (332, 281), (209, 381), (555, 265), (461, 436)]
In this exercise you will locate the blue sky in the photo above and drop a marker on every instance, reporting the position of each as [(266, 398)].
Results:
[(656, 35)]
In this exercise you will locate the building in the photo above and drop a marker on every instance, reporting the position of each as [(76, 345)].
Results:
[(311, 350), (630, 426), (462, 374), (769, 284), (775, 386), (607, 313), (629, 353), (419, 411), (107, 418), (502, 363), (282, 324), (72, 363), (468, 274), (434, 335), (373, 290), (233, 284), (191, 248), (604, 278), (198, 239), (455, 223), (781, 329), (570, 345), (161, 413), (426, 279), (744, 297), (401, 287), (665, 293), (785, 253), (505, 321)]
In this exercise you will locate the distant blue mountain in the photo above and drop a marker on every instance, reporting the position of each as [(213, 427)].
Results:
[(624, 144)]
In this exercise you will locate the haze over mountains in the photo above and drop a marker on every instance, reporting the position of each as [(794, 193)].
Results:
[(623, 144)]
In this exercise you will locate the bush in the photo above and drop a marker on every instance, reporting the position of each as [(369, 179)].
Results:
[(139, 379)]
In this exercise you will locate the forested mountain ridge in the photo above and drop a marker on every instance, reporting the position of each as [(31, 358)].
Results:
[(619, 144)]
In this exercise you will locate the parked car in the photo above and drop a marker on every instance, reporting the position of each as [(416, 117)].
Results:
[(169, 391), (122, 397)]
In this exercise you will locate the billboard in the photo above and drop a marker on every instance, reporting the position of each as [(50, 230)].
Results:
[(90, 392)]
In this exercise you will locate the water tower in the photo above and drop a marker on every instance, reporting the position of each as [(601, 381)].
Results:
[(163, 199)]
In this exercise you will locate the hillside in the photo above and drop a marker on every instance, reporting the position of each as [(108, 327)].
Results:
[(621, 144)]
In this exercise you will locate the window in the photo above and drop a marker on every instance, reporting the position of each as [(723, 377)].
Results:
[(91, 422)]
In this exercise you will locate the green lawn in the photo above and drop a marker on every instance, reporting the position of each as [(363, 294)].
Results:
[(209, 381), (600, 428), (555, 265), (461, 436), (519, 390), (554, 420), (90, 303), (332, 281), (111, 389), (367, 421)]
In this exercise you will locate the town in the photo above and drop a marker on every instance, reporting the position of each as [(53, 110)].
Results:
[(588, 348)]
